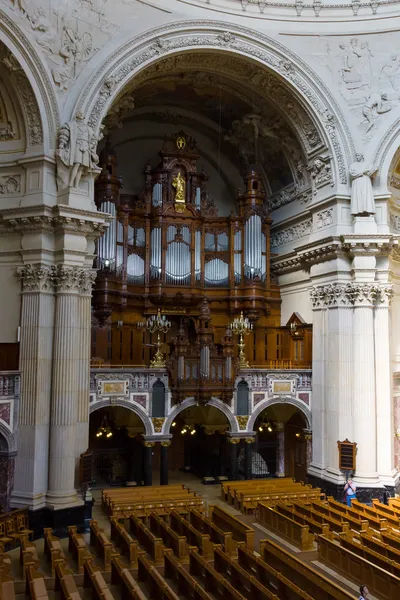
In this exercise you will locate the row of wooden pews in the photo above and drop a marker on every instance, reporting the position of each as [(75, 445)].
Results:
[(245, 495), (141, 501)]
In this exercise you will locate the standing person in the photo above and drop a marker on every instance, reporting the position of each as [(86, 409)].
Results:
[(364, 592), (350, 491)]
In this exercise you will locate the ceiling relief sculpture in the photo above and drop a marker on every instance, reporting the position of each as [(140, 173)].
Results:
[(366, 72), (258, 121), (69, 33)]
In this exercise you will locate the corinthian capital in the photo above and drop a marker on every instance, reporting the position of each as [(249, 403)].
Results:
[(36, 278), (87, 279), (365, 294), (385, 295)]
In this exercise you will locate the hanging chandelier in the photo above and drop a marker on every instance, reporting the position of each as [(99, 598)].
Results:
[(104, 429)]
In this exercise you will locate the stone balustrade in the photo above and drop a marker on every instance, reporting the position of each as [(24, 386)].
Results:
[(9, 384)]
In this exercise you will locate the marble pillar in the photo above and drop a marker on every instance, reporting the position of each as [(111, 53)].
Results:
[(164, 463), (233, 457), (148, 463), (84, 307), (248, 458), (36, 348), (280, 449), (364, 390), (7, 468), (384, 404), (65, 388), (308, 441)]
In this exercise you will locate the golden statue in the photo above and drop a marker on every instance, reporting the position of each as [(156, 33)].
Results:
[(179, 184)]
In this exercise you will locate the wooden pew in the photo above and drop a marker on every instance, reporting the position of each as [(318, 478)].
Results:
[(226, 485), (383, 584), (240, 531), (125, 542), (376, 557), (248, 502), (65, 581), (217, 536), (212, 581), (162, 506), (152, 544), (240, 578), (108, 494), (334, 524), (194, 536), (385, 509), (286, 527), (158, 587), (381, 547), (35, 585), (94, 579), (102, 544), (177, 543), (187, 586), (28, 554), (391, 539), (52, 548), (121, 576), (303, 575), (375, 521), (7, 591), (254, 489), (356, 523), (315, 527), (77, 547)]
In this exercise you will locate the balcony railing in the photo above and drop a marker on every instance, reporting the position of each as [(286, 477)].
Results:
[(9, 384)]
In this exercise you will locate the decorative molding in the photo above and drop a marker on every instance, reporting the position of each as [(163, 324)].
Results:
[(242, 421), (56, 279), (36, 278), (321, 172), (158, 423), (292, 233), (108, 81), (10, 184), (350, 295), (287, 195), (324, 218)]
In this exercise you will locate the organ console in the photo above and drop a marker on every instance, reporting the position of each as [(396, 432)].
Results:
[(167, 248)]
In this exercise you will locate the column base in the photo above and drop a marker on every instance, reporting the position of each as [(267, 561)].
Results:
[(62, 500), (365, 493), (24, 500), (58, 520), (279, 474)]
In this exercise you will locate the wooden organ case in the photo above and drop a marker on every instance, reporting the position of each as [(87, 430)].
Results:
[(168, 249)]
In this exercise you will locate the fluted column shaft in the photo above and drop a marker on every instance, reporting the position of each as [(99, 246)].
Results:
[(82, 426), (36, 346), (364, 407), (69, 367), (384, 407)]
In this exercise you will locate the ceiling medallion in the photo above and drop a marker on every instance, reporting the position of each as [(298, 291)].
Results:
[(180, 142)]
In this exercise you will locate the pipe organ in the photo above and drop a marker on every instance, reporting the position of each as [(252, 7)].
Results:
[(167, 248)]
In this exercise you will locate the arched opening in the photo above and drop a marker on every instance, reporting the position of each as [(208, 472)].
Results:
[(158, 399), (280, 447), (115, 440), (242, 398), (199, 443)]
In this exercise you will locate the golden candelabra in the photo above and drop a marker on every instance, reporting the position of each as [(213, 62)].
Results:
[(158, 324), (241, 326)]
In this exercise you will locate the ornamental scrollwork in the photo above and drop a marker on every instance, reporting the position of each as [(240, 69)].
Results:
[(158, 424), (242, 422)]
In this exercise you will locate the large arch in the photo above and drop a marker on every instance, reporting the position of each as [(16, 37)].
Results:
[(147, 424), (192, 402), (109, 80), (9, 438), (38, 76), (385, 156), (278, 400)]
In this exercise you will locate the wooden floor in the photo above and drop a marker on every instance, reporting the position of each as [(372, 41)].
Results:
[(211, 495)]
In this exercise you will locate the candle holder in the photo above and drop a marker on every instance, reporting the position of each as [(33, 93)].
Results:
[(241, 326), (158, 324)]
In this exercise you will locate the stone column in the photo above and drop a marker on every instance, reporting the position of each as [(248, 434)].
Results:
[(233, 442), (248, 458), (384, 405), (280, 449), (364, 403), (65, 388), (84, 305), (319, 461), (164, 462), (308, 441), (148, 462), (36, 347)]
